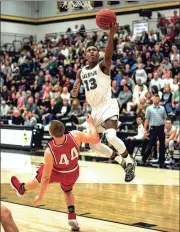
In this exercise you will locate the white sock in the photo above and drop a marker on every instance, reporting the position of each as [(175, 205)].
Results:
[(119, 159), (129, 160)]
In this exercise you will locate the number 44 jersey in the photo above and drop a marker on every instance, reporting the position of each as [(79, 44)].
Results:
[(97, 85), (65, 155)]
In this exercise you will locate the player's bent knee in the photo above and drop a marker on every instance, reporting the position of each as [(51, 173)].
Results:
[(110, 135)]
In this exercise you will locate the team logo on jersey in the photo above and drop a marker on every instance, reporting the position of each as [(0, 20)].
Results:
[(89, 74)]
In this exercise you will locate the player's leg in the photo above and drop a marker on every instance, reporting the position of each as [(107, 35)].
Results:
[(21, 187), (67, 182), (118, 144), (7, 221)]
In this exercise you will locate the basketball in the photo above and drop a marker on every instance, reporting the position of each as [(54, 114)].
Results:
[(104, 18)]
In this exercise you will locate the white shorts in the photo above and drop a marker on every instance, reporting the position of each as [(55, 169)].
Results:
[(104, 111)]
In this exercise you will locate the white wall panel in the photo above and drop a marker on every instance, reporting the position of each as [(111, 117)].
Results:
[(90, 24), (18, 8)]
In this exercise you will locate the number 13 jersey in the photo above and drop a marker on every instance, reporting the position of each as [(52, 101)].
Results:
[(97, 85), (65, 155)]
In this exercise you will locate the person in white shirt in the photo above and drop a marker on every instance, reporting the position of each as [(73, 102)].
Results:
[(168, 80), (174, 86), (4, 109), (65, 94), (141, 74), (137, 95), (131, 142), (156, 81)]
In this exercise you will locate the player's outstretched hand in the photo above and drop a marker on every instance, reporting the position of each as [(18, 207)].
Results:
[(113, 28), (89, 119), (37, 199)]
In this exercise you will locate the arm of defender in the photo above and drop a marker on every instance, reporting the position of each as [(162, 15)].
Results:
[(76, 86), (110, 47), (92, 137), (48, 165)]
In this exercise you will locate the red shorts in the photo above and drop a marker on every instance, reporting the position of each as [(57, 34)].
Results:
[(66, 180)]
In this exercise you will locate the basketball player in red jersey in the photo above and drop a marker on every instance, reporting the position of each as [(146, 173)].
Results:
[(60, 165)]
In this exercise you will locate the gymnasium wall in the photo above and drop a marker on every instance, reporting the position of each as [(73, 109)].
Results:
[(42, 30), (18, 8), (16, 31)]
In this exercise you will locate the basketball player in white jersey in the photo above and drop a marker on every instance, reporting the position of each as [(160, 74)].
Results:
[(105, 110)]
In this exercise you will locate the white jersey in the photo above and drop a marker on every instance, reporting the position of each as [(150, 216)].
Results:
[(97, 85)]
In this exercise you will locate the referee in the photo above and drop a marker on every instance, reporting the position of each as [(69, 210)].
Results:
[(155, 118)]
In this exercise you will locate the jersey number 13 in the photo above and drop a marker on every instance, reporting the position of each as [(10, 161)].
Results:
[(90, 84)]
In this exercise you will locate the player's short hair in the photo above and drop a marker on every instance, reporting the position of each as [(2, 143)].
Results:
[(91, 44), (56, 128), (169, 119)]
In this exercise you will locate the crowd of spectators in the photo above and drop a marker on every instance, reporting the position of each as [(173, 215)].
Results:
[(36, 82)]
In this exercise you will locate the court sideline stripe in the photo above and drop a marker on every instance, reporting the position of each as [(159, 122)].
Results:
[(121, 223)]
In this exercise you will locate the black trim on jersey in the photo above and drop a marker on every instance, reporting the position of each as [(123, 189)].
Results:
[(74, 140), (61, 144)]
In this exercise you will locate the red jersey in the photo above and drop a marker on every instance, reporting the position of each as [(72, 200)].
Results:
[(65, 155)]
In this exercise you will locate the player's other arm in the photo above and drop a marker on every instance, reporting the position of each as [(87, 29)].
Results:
[(110, 47), (76, 86), (92, 137), (48, 165)]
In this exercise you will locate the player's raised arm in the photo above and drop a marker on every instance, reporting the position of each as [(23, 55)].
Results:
[(48, 165), (92, 137), (76, 86), (110, 46)]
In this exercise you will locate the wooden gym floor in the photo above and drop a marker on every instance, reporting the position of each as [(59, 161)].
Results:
[(104, 202)]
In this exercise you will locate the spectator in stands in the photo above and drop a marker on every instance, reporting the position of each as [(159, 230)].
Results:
[(41, 79), (115, 89), (129, 81), (148, 98), (76, 108), (124, 97), (170, 134), (175, 17), (154, 91), (137, 95), (31, 105), (20, 100), (166, 99), (133, 141), (176, 101), (167, 80), (65, 94), (141, 74), (30, 120), (17, 119), (5, 93), (64, 110), (141, 107), (175, 68), (149, 67), (174, 55), (156, 81), (166, 64), (157, 57), (4, 110), (174, 86), (50, 114)]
